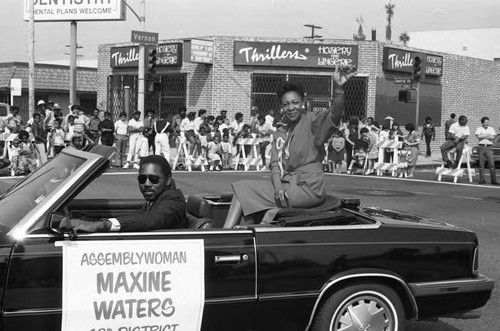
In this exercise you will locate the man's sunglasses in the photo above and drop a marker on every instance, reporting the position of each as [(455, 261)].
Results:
[(153, 179)]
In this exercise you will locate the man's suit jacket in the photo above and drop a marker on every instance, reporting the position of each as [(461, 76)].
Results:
[(167, 212)]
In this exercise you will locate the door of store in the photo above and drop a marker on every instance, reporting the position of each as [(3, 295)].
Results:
[(319, 92)]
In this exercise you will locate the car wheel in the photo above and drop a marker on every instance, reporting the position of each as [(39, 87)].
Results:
[(366, 307)]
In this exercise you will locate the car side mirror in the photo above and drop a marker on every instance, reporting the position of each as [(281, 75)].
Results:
[(55, 221)]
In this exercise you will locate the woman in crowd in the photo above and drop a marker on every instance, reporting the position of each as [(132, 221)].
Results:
[(412, 141), (351, 137), (190, 132), (296, 168)]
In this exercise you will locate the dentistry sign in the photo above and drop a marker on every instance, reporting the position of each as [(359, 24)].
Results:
[(76, 10), (278, 54), (123, 285)]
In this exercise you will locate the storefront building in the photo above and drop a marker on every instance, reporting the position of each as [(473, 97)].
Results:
[(51, 84), (235, 73)]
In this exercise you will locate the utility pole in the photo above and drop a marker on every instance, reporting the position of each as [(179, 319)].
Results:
[(31, 50), (72, 64), (142, 63), (313, 27)]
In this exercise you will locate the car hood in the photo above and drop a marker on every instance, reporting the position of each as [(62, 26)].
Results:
[(388, 216)]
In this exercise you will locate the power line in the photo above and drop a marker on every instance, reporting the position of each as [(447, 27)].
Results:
[(313, 28)]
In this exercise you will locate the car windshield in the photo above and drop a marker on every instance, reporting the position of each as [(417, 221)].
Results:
[(21, 198)]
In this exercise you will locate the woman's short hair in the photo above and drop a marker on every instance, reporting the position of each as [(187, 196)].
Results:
[(290, 87), (410, 127)]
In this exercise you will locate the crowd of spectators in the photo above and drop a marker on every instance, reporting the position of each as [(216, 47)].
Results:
[(352, 147)]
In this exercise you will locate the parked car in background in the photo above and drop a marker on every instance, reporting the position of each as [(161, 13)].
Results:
[(340, 266), (496, 150)]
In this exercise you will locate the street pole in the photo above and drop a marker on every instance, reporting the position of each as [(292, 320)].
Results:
[(31, 50), (72, 64), (417, 106), (142, 64)]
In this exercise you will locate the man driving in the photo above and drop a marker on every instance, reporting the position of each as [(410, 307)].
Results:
[(165, 206)]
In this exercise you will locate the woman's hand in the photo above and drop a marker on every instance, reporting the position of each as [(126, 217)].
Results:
[(281, 197), (340, 79)]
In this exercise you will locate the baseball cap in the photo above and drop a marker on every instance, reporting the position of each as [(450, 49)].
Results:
[(255, 108), (40, 103), (56, 106)]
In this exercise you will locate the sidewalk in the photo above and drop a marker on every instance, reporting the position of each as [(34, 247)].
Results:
[(433, 161)]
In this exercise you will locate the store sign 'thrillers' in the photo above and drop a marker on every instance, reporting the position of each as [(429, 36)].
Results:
[(294, 54)]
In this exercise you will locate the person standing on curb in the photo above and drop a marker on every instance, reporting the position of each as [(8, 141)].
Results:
[(485, 134), (448, 123), (429, 133)]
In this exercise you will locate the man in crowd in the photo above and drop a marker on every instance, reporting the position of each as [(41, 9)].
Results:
[(40, 138), (48, 116), (456, 138), (202, 113), (135, 128), (223, 113), (485, 134), (14, 121), (165, 206), (149, 132), (94, 126), (177, 119), (447, 125)]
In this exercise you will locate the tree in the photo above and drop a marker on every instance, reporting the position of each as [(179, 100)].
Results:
[(404, 38), (360, 35), (389, 9)]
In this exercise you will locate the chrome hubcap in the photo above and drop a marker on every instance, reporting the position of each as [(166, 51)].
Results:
[(365, 313)]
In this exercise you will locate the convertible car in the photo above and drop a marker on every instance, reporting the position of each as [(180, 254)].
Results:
[(340, 266)]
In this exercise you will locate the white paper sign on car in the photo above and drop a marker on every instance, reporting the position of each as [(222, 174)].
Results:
[(127, 285)]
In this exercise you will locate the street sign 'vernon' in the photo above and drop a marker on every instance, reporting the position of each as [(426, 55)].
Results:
[(143, 37)]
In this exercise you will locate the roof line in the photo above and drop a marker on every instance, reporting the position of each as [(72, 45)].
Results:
[(42, 65)]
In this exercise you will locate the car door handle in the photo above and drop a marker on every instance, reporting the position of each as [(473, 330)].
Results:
[(230, 259)]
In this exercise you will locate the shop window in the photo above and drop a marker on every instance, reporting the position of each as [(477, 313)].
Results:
[(170, 95), (318, 89)]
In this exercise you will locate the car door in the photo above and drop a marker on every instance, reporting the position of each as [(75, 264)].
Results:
[(33, 292)]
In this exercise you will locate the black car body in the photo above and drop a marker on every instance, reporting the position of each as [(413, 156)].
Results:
[(305, 271)]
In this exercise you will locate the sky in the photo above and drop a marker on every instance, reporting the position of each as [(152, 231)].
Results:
[(257, 18)]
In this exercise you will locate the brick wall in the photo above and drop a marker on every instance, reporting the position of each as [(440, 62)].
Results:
[(469, 86)]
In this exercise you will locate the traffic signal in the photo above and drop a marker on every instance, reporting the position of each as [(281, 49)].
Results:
[(408, 96), (417, 68), (152, 61)]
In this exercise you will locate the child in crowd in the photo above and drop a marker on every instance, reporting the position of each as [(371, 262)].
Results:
[(203, 141), (70, 130), (372, 156), (214, 150), (358, 161), (17, 167), (57, 137), (226, 152), (336, 152), (27, 153)]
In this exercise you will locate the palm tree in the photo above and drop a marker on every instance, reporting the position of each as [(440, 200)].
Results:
[(360, 35), (389, 9), (404, 38)]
